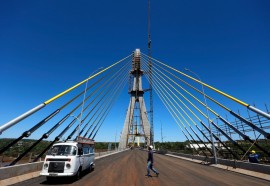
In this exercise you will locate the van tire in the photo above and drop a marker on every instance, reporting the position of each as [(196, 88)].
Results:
[(78, 174), (91, 168)]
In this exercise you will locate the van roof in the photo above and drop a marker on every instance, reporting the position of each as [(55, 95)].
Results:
[(80, 140), (85, 140)]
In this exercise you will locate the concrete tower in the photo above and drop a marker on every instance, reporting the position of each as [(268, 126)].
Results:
[(136, 126)]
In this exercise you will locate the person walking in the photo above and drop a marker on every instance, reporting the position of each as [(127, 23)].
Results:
[(150, 162)]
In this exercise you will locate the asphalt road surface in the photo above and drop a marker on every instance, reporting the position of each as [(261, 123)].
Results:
[(129, 168)]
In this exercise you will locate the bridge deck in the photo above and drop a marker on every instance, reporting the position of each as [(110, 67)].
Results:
[(129, 168)]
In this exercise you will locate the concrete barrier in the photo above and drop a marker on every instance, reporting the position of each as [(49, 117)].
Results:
[(17, 170), (97, 154), (256, 167)]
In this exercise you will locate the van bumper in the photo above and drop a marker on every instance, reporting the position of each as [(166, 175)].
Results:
[(57, 174)]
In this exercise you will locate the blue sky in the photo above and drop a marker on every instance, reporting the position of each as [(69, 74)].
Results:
[(48, 46)]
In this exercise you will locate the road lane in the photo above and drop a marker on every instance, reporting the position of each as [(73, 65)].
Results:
[(129, 168)]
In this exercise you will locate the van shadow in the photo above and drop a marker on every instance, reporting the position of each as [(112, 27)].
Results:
[(63, 180)]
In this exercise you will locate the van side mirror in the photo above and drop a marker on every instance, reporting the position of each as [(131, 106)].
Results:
[(80, 151)]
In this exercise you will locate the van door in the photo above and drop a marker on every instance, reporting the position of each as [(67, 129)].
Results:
[(80, 157), (92, 154), (86, 155)]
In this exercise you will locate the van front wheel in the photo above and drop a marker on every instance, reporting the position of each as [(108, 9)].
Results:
[(78, 175), (91, 168)]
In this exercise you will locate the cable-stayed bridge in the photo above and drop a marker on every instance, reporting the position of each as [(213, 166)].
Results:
[(215, 124)]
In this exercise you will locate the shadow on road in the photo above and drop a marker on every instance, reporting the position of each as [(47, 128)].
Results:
[(63, 180)]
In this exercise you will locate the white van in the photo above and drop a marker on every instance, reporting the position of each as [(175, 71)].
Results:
[(69, 159)]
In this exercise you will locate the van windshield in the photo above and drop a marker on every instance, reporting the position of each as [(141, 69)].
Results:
[(62, 150)]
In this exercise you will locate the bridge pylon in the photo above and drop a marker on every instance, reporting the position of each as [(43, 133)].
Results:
[(136, 127)]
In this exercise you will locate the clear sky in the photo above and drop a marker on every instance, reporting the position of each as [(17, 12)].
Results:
[(48, 46)]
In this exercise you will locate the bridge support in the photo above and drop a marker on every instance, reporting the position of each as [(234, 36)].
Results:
[(136, 126)]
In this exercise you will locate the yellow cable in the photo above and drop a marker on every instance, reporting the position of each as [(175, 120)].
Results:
[(189, 108), (75, 86), (185, 104), (179, 105), (193, 88), (174, 107), (187, 93), (158, 91), (171, 98), (212, 88)]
